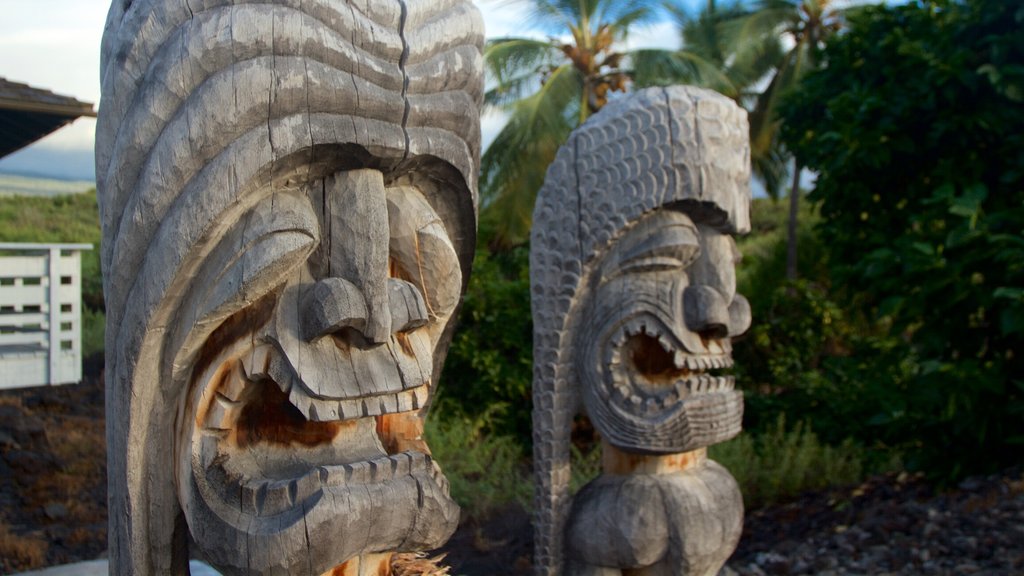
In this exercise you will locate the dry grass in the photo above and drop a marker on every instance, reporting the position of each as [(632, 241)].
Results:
[(407, 564), (6, 400), (20, 552), (77, 443)]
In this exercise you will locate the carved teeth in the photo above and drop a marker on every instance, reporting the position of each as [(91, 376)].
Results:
[(401, 464), (671, 399), (256, 363), (319, 410), (218, 417), (269, 497), (682, 389), (208, 450), (404, 402), (254, 496), (358, 473), (419, 397), (665, 344), (349, 409)]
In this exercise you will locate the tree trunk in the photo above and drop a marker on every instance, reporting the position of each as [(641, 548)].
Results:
[(794, 205)]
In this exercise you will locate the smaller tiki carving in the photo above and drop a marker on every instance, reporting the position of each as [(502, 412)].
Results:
[(634, 306)]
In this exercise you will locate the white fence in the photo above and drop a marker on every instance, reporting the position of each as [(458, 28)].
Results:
[(40, 314)]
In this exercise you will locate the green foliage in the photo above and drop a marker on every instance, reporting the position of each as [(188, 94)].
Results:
[(810, 356), (781, 463), (487, 471), (915, 127), (72, 218), (490, 363), (94, 329)]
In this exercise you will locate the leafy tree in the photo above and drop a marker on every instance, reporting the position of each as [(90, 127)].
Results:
[(548, 87), (805, 25), (915, 126)]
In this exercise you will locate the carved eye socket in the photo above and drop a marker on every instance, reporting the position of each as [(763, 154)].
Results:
[(663, 248), (421, 252), (257, 254)]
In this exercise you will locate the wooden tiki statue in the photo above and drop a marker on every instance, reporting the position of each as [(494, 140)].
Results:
[(288, 199), (632, 270)]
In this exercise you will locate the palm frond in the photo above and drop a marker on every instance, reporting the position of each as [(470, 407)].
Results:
[(508, 58), (664, 68), (771, 167), (505, 95), (513, 166)]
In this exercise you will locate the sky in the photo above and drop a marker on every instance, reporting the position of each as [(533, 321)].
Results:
[(54, 44)]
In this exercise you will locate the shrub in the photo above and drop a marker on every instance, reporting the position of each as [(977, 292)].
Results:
[(489, 369), (486, 471), (916, 128)]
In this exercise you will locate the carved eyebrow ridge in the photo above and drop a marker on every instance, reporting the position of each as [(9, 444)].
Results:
[(674, 245)]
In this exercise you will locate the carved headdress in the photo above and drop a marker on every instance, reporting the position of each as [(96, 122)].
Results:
[(220, 122), (679, 148)]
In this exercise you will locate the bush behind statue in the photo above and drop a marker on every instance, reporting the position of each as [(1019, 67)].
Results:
[(915, 126)]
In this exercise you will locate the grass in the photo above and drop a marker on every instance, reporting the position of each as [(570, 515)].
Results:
[(780, 463), (94, 327), (486, 471), (490, 471), (20, 552), (71, 218)]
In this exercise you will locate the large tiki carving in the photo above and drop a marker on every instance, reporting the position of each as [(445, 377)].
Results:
[(634, 307), (288, 202)]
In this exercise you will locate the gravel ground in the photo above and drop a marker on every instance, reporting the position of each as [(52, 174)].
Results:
[(896, 524)]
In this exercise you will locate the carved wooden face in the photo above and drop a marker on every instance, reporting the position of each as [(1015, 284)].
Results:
[(304, 418), (656, 330)]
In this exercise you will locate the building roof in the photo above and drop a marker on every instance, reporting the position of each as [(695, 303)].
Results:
[(27, 114)]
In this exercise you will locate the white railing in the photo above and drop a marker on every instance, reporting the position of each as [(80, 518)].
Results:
[(40, 314)]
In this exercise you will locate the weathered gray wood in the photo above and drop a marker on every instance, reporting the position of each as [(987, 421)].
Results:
[(634, 305), (288, 203)]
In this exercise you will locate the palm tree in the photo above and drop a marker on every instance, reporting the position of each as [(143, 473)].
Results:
[(716, 55), (804, 25), (548, 87)]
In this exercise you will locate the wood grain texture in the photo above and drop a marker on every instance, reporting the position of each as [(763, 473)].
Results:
[(638, 207), (221, 119)]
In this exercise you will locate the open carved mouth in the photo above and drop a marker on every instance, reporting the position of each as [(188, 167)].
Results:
[(267, 456), (652, 373), (279, 451)]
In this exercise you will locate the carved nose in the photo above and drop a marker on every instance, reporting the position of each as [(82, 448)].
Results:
[(333, 305), (705, 311), (739, 315), (358, 234)]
